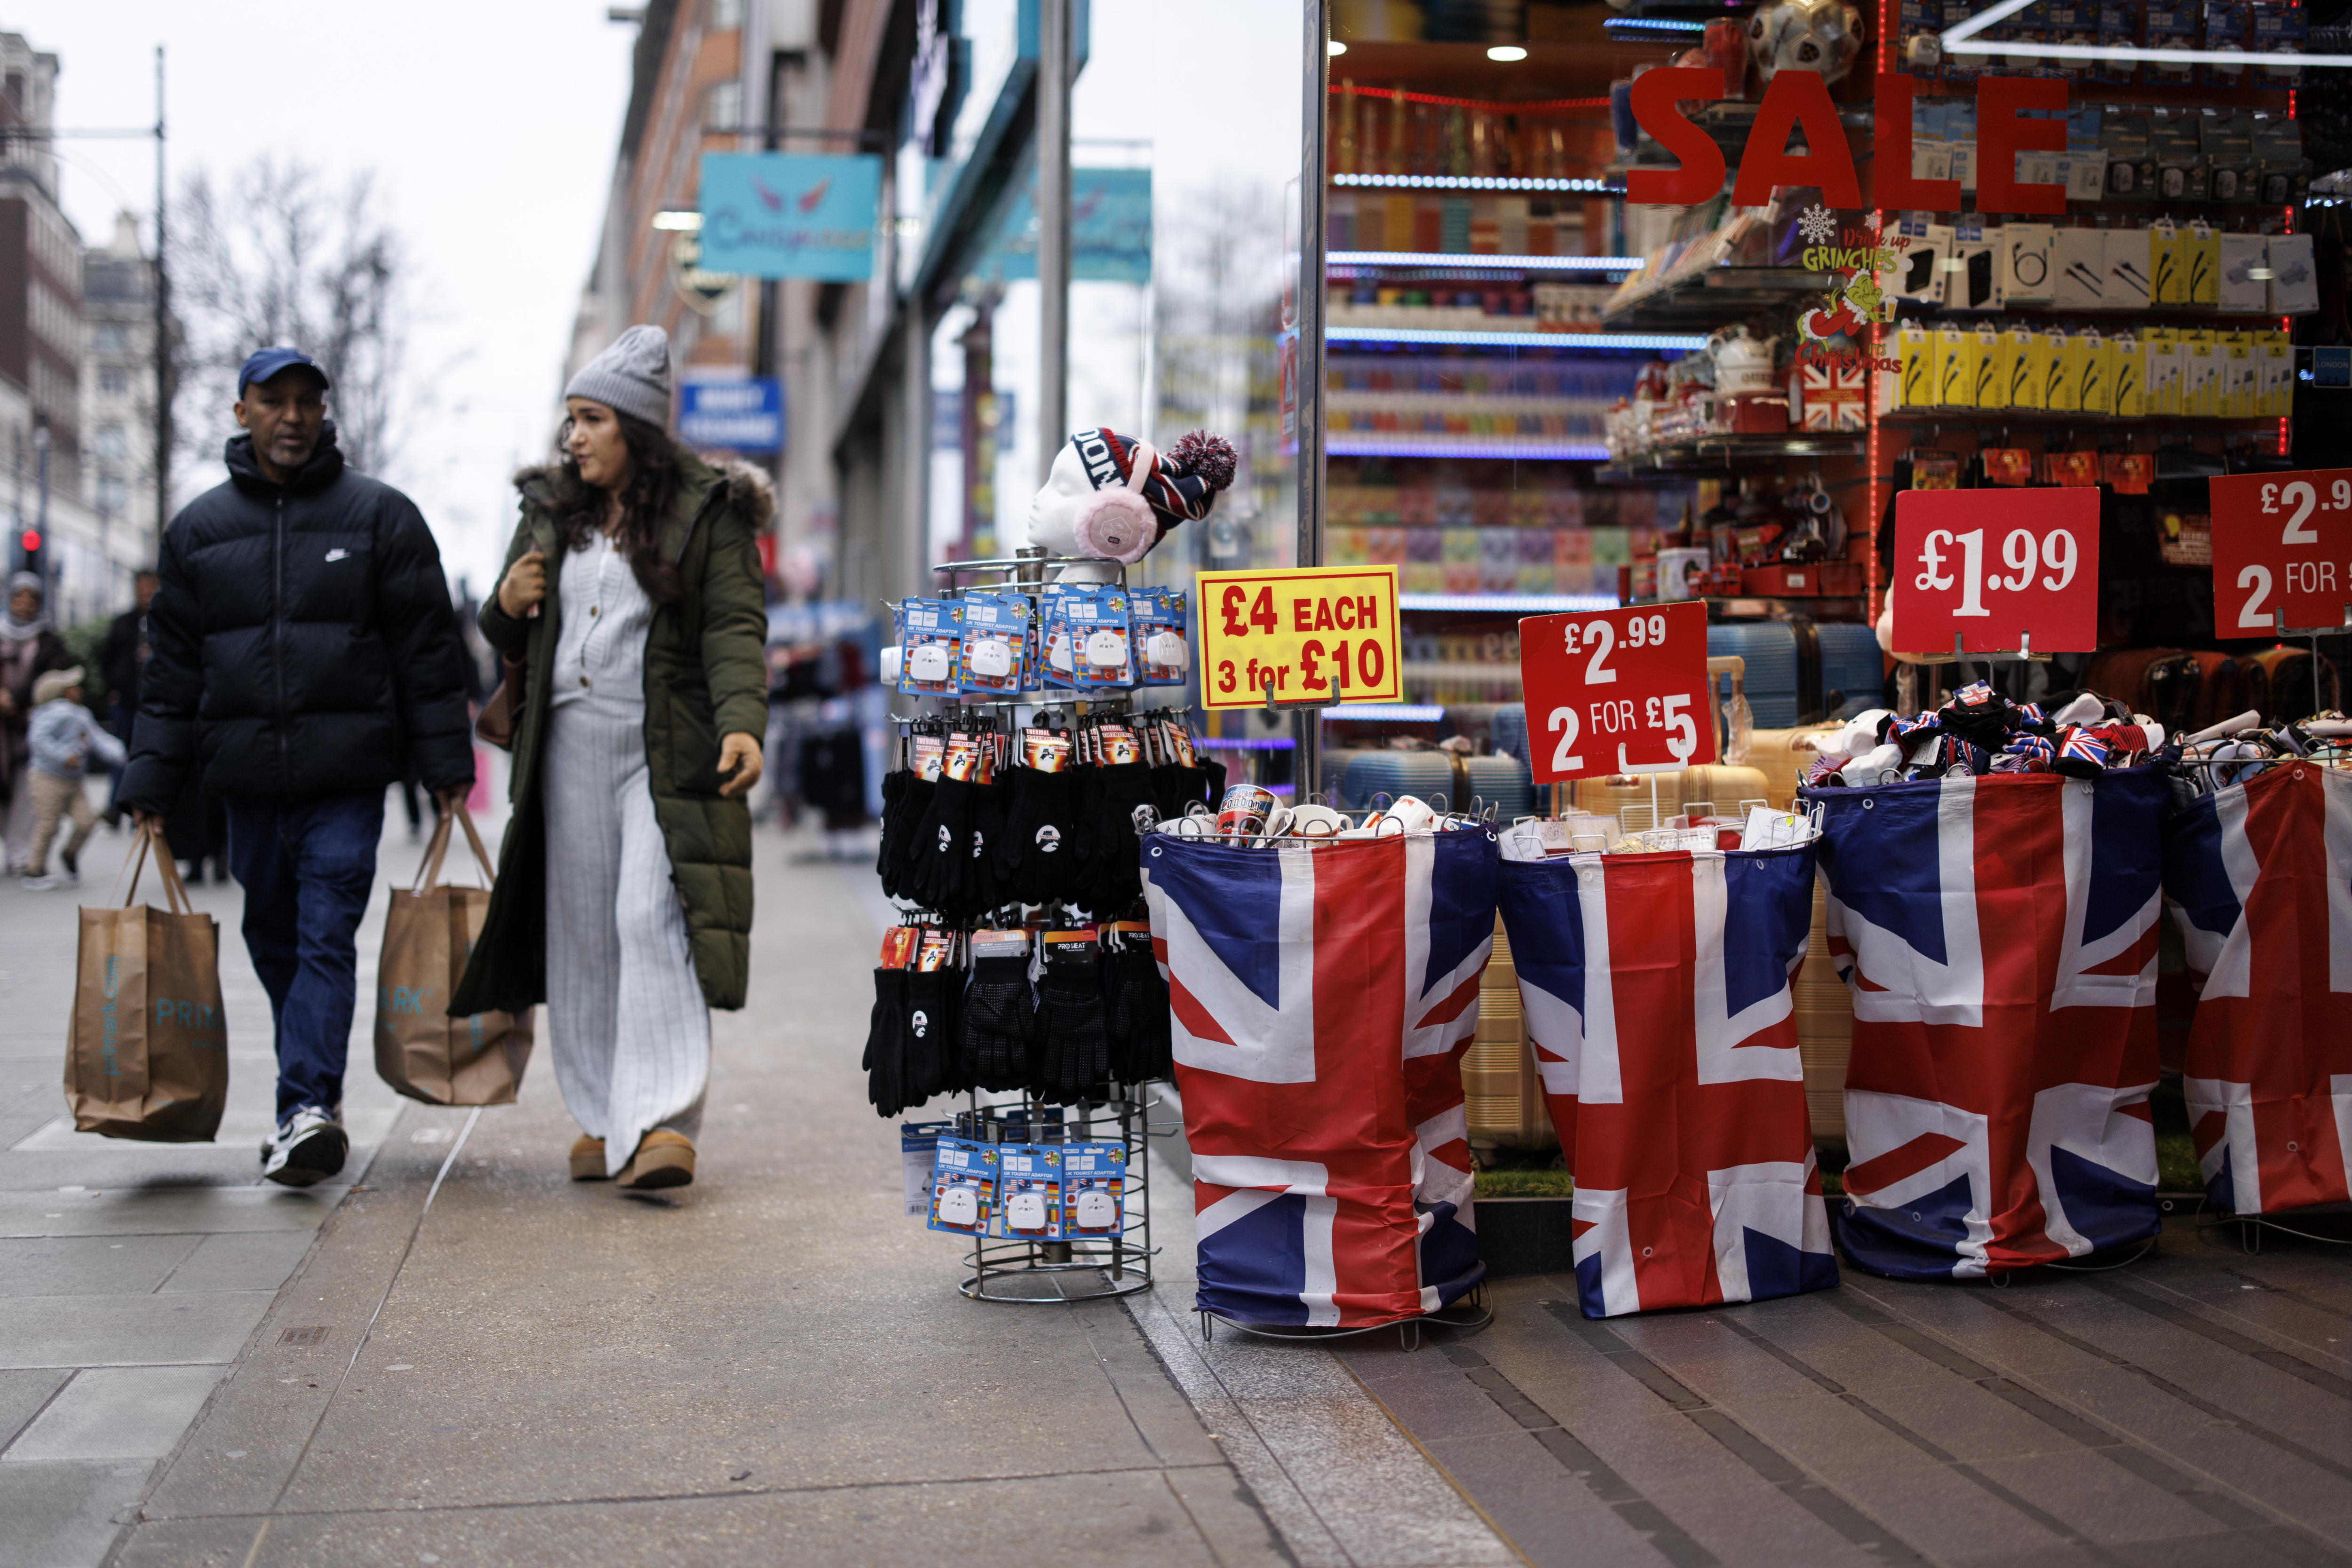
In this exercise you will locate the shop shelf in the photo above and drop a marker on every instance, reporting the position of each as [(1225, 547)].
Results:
[(1469, 262), (1714, 294), (1586, 342), (1350, 443), (1724, 454), (1471, 182), (1986, 419)]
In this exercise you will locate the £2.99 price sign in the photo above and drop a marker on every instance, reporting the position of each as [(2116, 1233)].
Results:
[(1617, 691), (2004, 571), (1301, 628), (2282, 552)]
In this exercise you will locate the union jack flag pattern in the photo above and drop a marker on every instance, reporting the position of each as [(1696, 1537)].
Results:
[(2260, 877), (1998, 935), (1320, 1001), (1656, 990)]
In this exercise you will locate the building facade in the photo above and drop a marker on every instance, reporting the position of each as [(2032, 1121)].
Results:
[(119, 390), (44, 340)]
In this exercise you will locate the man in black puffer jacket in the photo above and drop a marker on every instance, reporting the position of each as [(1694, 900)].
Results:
[(303, 654)]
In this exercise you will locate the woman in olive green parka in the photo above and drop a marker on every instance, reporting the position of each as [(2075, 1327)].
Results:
[(632, 595)]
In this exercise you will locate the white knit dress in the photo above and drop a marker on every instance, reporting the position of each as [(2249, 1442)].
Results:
[(627, 1020)]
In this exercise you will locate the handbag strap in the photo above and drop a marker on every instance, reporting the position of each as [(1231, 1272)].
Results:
[(176, 892), (428, 874)]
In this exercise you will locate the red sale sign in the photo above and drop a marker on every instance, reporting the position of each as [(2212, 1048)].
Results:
[(2282, 552), (1617, 691), (1996, 571)]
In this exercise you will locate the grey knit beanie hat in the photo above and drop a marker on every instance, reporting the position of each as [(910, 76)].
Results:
[(631, 377)]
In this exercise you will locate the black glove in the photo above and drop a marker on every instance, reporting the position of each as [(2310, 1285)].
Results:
[(886, 1037), (998, 1024), (1034, 858), (984, 889), (899, 863), (1074, 1054), (1116, 879), (1134, 1012), (941, 846), (931, 1031)]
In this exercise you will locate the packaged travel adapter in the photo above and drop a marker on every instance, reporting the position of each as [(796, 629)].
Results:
[(1029, 1192), (963, 1187), (1094, 1189), (2245, 266), (2293, 279), (995, 643), (930, 646)]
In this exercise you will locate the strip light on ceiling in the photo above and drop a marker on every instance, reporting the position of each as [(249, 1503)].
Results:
[(1497, 263)]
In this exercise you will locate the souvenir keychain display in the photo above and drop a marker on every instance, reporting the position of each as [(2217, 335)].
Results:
[(1023, 963)]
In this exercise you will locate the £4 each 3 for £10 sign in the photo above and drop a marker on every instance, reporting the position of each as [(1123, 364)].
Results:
[(1617, 691), (1996, 571), (2282, 552)]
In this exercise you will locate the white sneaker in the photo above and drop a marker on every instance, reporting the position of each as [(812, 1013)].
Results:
[(48, 884), (308, 1148)]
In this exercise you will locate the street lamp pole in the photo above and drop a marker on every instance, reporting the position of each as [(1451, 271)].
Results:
[(163, 335)]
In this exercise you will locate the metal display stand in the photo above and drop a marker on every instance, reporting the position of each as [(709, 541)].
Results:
[(1015, 1270), (1031, 1273)]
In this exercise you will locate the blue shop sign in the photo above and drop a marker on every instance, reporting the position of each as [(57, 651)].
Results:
[(744, 415), (790, 214)]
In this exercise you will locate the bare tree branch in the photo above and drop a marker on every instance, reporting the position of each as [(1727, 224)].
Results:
[(275, 255)]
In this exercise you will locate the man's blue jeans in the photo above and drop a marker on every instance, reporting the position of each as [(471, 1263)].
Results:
[(307, 870)]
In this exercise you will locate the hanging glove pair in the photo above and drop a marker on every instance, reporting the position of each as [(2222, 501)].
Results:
[(910, 1038)]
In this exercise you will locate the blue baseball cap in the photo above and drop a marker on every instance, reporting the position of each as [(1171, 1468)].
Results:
[(264, 364)]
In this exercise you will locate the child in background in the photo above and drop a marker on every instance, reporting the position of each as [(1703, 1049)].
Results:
[(65, 738)]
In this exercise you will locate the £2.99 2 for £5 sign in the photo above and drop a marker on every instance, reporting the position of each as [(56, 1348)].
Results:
[(1302, 628), (1617, 691), (2282, 552)]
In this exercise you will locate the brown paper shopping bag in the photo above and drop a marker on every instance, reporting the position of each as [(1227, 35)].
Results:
[(428, 932), (147, 1048)]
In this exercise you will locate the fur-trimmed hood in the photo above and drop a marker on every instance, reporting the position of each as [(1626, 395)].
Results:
[(749, 489)]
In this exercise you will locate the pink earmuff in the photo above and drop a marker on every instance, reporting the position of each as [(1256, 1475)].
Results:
[(1115, 523)]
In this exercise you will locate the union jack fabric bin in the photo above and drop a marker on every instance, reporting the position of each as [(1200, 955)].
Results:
[(1658, 994), (1999, 933), (2259, 878), (1320, 1000)]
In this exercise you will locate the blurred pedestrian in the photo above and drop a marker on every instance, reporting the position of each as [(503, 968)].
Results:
[(632, 592), (120, 660), (302, 656), (30, 649), (64, 735)]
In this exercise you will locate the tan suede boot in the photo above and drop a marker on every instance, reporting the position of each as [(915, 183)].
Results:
[(588, 1158), (664, 1159)]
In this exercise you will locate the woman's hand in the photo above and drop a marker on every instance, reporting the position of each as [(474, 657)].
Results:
[(739, 755), (524, 585)]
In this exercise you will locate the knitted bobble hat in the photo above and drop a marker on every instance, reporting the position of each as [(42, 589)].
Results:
[(1087, 503), (632, 377)]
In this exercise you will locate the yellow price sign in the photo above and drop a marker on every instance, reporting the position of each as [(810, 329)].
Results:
[(1302, 628)]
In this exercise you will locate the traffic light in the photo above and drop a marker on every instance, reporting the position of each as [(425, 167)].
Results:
[(28, 551)]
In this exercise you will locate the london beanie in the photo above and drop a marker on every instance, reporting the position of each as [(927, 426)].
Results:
[(632, 377)]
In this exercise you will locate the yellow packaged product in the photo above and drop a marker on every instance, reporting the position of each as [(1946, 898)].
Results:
[(2065, 373), (1956, 381), (2094, 387), (2128, 376), (2162, 345), (1991, 389), (1915, 346)]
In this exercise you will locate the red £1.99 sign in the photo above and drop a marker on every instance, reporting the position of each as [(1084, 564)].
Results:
[(2005, 571), (1616, 691), (2282, 552)]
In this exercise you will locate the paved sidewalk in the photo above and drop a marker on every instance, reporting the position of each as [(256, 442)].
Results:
[(132, 1274), (772, 1366)]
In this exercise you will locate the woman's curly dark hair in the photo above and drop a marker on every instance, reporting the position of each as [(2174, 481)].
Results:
[(580, 507)]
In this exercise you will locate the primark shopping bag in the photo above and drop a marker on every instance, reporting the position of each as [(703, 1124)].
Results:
[(428, 932), (147, 1046), (1658, 997), (1999, 933), (2260, 877), (1321, 997)]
